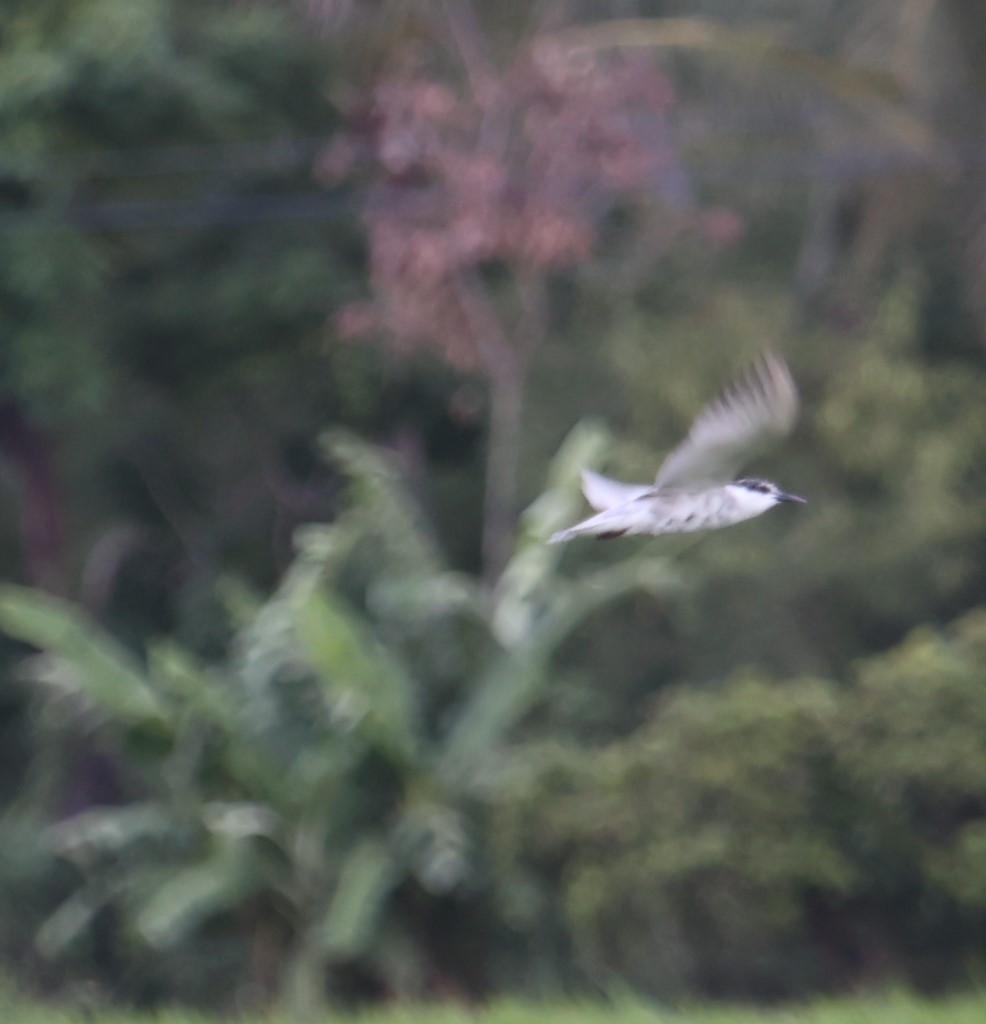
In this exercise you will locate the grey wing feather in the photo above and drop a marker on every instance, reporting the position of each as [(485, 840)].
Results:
[(760, 407)]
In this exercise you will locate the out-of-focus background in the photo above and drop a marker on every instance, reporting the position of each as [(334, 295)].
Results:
[(310, 312)]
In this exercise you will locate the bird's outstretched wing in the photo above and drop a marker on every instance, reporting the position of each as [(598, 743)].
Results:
[(758, 408)]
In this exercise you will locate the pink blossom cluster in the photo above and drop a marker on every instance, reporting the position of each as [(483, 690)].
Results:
[(516, 175)]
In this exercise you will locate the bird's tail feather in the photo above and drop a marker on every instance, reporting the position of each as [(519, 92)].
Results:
[(611, 523)]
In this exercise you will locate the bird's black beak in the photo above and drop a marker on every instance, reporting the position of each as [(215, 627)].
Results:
[(792, 497)]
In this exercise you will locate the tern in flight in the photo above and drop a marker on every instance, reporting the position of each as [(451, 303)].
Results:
[(695, 487)]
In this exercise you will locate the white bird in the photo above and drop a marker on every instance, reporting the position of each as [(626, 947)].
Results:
[(694, 488)]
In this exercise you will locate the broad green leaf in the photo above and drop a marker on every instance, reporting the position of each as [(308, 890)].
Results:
[(182, 902), (424, 599), (516, 681), (323, 546), (88, 661), (72, 918), (367, 877), (504, 695), (239, 819), (240, 601), (520, 593), (174, 670), (110, 830), (369, 689), (381, 502)]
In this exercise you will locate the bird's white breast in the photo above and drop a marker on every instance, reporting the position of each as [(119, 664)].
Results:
[(684, 512)]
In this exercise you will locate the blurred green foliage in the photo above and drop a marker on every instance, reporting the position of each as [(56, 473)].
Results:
[(144, 110), (325, 793), (766, 837), (166, 268)]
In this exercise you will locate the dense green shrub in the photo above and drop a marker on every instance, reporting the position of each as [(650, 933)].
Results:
[(769, 837)]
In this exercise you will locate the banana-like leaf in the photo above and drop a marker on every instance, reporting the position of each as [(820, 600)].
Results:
[(584, 446), (505, 694), (532, 570), (239, 819), (381, 503), (174, 670), (368, 688), (240, 600), (72, 918), (425, 599), (190, 896), (518, 679), (103, 831), (87, 660), (368, 876), (321, 546)]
